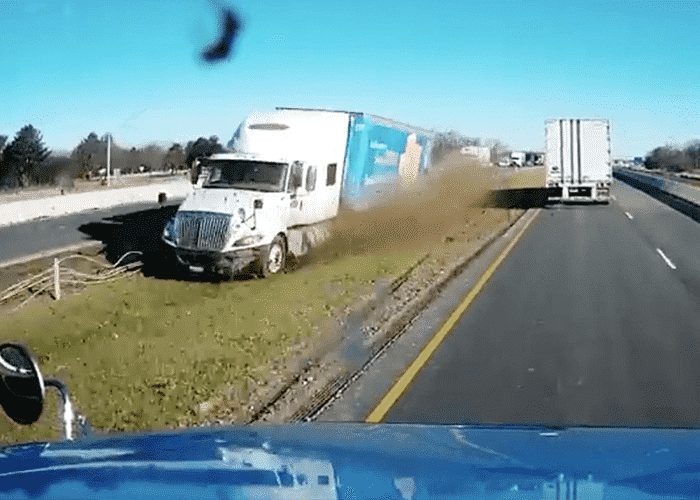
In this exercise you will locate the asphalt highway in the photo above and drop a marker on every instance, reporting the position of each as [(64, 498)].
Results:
[(32, 239), (593, 318)]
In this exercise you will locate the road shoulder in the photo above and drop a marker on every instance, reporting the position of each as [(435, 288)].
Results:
[(365, 383)]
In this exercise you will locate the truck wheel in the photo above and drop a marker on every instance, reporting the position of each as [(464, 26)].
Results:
[(274, 259)]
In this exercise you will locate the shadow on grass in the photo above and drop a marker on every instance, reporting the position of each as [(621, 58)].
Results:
[(522, 198), (685, 207), (141, 231)]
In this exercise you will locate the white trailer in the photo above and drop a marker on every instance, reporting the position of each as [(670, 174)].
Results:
[(288, 174), (481, 154), (577, 160)]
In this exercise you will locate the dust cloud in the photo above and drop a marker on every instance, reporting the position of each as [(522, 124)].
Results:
[(454, 192)]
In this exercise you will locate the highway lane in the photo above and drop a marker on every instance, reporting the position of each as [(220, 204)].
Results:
[(661, 226), (583, 323), (43, 235)]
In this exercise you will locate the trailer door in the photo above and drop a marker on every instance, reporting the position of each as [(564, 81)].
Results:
[(594, 146)]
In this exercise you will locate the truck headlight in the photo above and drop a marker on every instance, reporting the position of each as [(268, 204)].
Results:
[(248, 240), (169, 230)]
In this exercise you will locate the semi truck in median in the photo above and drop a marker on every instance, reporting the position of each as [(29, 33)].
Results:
[(577, 160), (288, 173)]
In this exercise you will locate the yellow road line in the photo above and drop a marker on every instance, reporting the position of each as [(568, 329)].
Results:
[(400, 386)]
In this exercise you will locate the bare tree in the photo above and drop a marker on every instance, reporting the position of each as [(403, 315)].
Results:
[(444, 142), (668, 158)]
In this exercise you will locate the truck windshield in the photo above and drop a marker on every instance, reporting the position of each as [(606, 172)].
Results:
[(246, 174)]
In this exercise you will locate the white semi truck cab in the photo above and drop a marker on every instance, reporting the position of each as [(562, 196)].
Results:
[(243, 214)]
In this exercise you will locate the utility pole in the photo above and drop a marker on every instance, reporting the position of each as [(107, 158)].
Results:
[(109, 156)]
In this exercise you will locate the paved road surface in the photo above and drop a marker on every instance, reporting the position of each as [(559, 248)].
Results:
[(48, 234), (592, 319)]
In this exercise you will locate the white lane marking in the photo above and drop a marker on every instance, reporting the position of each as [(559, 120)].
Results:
[(629, 215), (666, 259), (613, 198)]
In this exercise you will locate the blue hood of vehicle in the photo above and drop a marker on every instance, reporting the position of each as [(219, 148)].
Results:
[(360, 461)]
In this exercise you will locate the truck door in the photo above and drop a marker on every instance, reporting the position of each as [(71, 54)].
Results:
[(297, 194)]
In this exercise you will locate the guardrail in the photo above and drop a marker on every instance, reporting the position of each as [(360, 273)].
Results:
[(16, 212), (681, 190)]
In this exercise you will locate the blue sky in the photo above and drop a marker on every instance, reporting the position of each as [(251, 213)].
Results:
[(486, 68)]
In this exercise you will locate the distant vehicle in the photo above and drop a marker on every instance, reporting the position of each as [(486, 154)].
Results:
[(623, 163), (291, 171), (578, 160), (526, 159), (517, 158), (504, 163), (481, 154)]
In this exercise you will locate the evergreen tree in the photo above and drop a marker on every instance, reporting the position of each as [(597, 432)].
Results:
[(23, 156)]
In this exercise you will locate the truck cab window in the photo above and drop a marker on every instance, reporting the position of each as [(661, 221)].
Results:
[(296, 176), (330, 174), (311, 179)]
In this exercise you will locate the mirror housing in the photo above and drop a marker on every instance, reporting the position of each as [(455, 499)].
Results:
[(257, 204), (22, 389)]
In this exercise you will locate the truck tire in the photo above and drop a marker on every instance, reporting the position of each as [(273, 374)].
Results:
[(273, 259)]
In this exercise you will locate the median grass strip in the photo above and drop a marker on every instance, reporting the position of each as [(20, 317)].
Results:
[(144, 353)]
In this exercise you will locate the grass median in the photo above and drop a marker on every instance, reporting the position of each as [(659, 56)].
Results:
[(144, 353)]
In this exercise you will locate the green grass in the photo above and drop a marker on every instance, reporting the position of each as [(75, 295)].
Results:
[(143, 353)]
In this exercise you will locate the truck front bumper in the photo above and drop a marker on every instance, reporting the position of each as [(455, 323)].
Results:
[(218, 262)]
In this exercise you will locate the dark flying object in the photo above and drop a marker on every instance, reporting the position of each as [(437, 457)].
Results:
[(230, 29)]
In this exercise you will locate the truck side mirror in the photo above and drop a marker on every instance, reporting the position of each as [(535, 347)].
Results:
[(257, 204), (22, 388)]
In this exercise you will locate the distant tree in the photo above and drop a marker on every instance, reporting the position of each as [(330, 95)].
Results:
[(175, 158), (3, 141), (444, 142), (202, 147), (692, 150), (667, 158), (56, 170), (150, 157), (24, 156), (90, 155), (498, 149), (122, 159)]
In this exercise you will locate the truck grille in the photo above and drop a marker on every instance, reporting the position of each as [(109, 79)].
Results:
[(202, 230)]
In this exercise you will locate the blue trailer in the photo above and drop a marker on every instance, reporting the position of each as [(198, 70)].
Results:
[(288, 173), (375, 146)]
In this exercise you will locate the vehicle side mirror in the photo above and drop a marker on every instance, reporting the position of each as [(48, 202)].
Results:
[(22, 387), (257, 204)]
